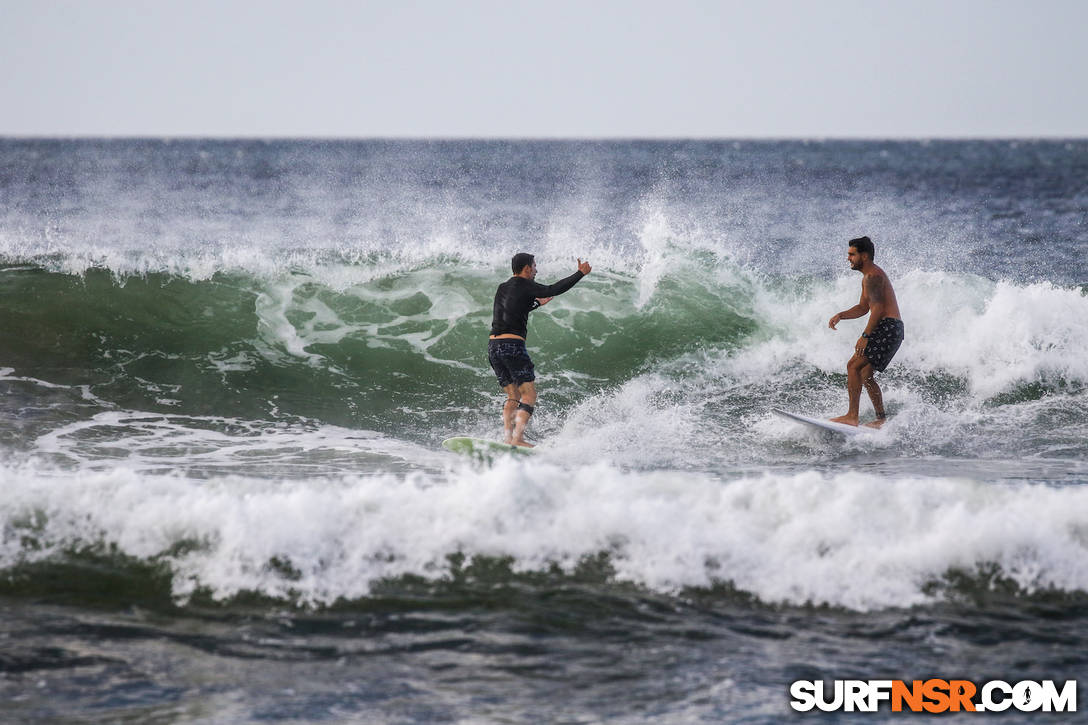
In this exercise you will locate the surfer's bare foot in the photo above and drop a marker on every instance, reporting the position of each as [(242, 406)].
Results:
[(847, 419), (523, 444), (876, 423)]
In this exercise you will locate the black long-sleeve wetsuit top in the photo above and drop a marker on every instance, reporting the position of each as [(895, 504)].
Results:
[(516, 298)]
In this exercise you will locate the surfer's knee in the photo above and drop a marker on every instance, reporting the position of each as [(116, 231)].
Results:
[(522, 405), (527, 393)]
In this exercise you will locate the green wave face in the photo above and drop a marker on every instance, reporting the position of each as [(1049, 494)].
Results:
[(393, 350)]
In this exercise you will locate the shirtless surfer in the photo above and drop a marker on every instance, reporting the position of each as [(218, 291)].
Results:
[(882, 337), (514, 300)]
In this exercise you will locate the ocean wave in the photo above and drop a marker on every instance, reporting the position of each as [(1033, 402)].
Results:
[(847, 540), (353, 334), (689, 342), (995, 334)]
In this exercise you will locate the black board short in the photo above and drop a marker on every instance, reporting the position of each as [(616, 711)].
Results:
[(510, 361), (884, 341)]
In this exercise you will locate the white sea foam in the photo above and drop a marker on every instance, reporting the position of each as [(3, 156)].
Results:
[(156, 442), (995, 335), (850, 540), (967, 340)]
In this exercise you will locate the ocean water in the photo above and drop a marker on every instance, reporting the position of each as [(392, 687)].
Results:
[(226, 368)]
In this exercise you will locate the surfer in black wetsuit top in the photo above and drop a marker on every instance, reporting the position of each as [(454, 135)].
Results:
[(514, 300)]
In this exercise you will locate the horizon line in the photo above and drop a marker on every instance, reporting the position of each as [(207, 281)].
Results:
[(532, 138)]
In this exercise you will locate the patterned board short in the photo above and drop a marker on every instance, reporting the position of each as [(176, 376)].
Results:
[(884, 342), (510, 361)]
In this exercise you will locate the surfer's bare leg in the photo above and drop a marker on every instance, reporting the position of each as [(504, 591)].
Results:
[(857, 370), (527, 396), (875, 396), (508, 409)]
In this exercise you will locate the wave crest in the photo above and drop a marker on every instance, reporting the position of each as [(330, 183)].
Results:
[(846, 540)]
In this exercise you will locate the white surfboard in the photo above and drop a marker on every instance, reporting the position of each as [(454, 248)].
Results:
[(821, 423), (481, 448)]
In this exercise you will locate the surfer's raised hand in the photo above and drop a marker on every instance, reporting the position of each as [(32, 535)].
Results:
[(584, 267), (834, 321)]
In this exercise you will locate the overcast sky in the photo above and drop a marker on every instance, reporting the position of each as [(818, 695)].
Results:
[(554, 68)]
